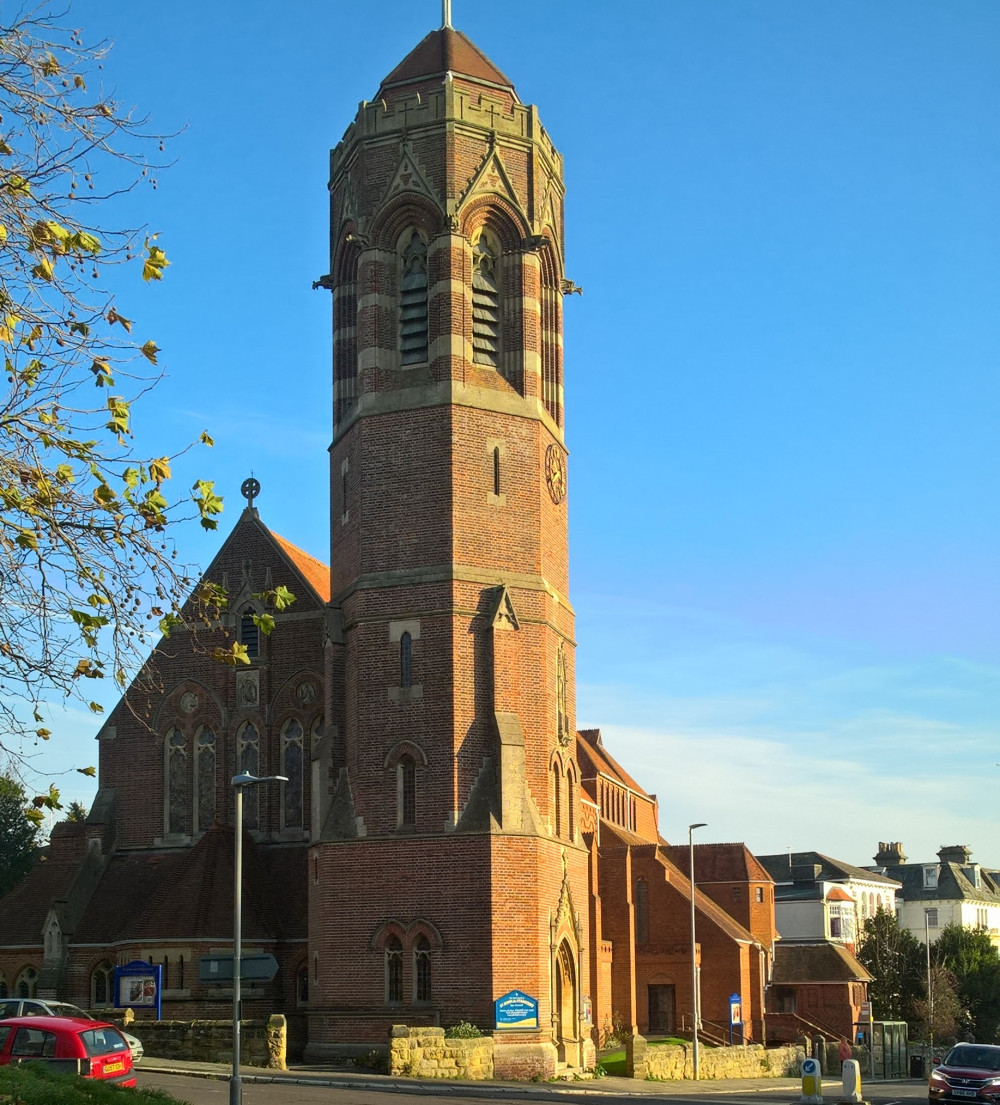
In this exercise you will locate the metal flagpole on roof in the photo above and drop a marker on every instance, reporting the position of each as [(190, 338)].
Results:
[(446, 13)]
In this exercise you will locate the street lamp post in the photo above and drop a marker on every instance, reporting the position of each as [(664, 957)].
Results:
[(695, 995), (239, 782), (930, 987)]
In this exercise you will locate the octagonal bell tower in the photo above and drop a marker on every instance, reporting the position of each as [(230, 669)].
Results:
[(449, 869)]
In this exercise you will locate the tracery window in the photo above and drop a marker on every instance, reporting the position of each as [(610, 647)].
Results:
[(292, 761), (406, 791), (204, 779), (177, 782), (393, 969), (422, 969), (248, 759), (413, 303), (485, 302)]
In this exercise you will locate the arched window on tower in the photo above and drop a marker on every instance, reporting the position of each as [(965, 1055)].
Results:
[(571, 803), (413, 302), (393, 970), (292, 768), (422, 969), (204, 779), (485, 301), (345, 331), (406, 792), (557, 820), (405, 660), (248, 760), (177, 782), (551, 320)]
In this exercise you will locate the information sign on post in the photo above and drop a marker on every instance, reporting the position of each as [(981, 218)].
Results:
[(735, 1016)]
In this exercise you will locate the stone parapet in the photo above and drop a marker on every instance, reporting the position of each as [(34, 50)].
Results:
[(668, 1062), (262, 1043), (426, 1053)]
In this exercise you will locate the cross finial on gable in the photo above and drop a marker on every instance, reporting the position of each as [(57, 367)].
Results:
[(445, 14)]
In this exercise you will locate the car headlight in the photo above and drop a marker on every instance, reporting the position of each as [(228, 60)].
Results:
[(993, 1082), (935, 1077)]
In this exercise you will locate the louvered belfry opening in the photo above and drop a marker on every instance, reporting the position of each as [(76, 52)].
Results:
[(551, 307), (413, 303), (485, 303)]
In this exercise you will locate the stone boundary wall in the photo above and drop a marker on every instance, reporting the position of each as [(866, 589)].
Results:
[(668, 1062), (262, 1043), (425, 1053)]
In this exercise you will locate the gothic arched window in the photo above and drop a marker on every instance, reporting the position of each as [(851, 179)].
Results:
[(571, 802), (422, 969), (551, 319), (393, 969), (557, 799), (248, 760), (27, 983), (405, 660), (406, 791), (413, 302), (485, 301), (292, 769), (175, 748), (204, 779)]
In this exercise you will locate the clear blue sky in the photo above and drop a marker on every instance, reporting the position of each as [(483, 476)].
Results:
[(781, 381)]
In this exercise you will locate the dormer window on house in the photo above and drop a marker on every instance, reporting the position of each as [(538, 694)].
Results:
[(413, 302), (931, 877)]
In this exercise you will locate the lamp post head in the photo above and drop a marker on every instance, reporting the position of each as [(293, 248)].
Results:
[(248, 780), (691, 828)]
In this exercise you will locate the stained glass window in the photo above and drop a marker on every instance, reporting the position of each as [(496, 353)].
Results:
[(292, 765), (177, 782), (205, 778)]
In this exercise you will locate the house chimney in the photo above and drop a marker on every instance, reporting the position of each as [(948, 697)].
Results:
[(890, 855), (955, 853)]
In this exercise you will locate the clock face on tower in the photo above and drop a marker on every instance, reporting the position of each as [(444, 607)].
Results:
[(555, 473)]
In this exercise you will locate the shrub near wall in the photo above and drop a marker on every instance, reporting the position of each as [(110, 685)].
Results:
[(670, 1061), (426, 1053)]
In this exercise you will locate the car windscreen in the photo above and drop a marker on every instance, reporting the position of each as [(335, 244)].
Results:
[(64, 1009), (982, 1058), (103, 1041)]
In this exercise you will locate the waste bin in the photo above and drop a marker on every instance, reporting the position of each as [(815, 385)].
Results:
[(918, 1066)]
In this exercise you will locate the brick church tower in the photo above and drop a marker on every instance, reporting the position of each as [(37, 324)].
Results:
[(447, 867)]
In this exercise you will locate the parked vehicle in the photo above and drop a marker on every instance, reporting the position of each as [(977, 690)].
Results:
[(37, 1007), (970, 1072), (91, 1048)]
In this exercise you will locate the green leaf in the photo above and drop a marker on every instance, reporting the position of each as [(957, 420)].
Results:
[(155, 262), (205, 439), (90, 772), (264, 622), (208, 502), (149, 351)]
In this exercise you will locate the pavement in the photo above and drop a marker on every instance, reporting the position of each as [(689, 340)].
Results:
[(341, 1078)]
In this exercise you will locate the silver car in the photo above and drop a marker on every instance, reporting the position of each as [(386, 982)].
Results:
[(39, 1007)]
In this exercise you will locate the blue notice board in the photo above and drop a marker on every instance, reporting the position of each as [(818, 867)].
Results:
[(139, 984), (516, 1010)]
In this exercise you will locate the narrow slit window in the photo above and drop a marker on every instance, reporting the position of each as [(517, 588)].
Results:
[(413, 303), (393, 969), (422, 969), (496, 470), (405, 660), (406, 782), (485, 304)]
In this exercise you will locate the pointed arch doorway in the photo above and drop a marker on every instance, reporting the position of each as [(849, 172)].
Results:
[(567, 1042)]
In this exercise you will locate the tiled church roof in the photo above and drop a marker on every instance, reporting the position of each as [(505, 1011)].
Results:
[(719, 863), (316, 573), (592, 746)]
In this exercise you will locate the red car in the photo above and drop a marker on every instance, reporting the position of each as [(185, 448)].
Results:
[(969, 1073), (91, 1048)]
